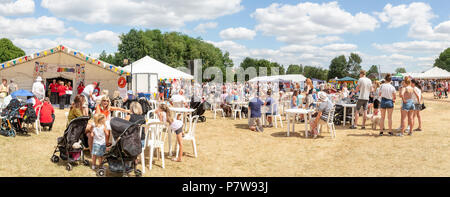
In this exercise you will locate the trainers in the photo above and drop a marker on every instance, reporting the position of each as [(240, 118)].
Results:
[(363, 128), (391, 134), (381, 133), (353, 127), (400, 135), (93, 167), (417, 129)]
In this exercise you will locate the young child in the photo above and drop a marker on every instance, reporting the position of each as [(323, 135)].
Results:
[(99, 136), (175, 124)]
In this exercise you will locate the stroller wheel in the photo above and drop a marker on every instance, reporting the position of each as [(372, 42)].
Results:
[(54, 159), (138, 173), (101, 172), (86, 162), (69, 167), (203, 119)]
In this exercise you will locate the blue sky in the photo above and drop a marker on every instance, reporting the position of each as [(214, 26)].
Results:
[(392, 34)]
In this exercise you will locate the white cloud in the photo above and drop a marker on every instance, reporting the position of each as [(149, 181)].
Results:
[(14, 8), (103, 36), (239, 33), (389, 63), (418, 16), (34, 45), (428, 47), (144, 13), (201, 28), (310, 22), (26, 27)]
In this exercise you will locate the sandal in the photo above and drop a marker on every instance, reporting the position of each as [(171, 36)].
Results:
[(175, 160)]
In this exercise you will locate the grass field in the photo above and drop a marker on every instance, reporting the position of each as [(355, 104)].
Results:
[(227, 148)]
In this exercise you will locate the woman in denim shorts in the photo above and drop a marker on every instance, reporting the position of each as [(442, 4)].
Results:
[(387, 94)]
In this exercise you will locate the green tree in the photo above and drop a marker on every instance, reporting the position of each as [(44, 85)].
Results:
[(400, 70), (9, 51), (258, 64), (295, 69), (315, 72), (354, 65), (444, 60), (373, 71), (338, 67)]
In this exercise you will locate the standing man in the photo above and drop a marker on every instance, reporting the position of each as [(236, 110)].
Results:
[(364, 86), (12, 87), (254, 106), (88, 93), (38, 89), (54, 92)]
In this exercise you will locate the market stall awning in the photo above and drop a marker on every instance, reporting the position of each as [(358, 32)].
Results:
[(346, 79)]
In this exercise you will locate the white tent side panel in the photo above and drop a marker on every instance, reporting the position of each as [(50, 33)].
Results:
[(23, 73)]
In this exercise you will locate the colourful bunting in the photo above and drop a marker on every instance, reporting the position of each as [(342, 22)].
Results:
[(74, 53), (26, 58), (37, 54), (45, 53), (14, 61), (51, 50), (87, 58), (110, 66), (98, 63)]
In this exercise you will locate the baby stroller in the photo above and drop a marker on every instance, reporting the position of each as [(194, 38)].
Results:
[(126, 148), (12, 119), (339, 115), (200, 108), (70, 146)]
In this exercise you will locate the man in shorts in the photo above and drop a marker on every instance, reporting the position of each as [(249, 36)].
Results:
[(254, 106), (364, 86)]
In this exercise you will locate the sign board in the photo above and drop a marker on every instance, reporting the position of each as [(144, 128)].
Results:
[(122, 82)]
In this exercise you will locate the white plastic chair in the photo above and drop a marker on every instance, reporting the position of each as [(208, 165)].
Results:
[(66, 115), (156, 139), (330, 123), (276, 115), (144, 128), (190, 136), (237, 109), (153, 104), (216, 108)]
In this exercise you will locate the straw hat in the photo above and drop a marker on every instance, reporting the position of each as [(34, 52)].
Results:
[(39, 79), (323, 96)]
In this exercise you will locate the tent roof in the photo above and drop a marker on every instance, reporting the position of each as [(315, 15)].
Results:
[(150, 65), (66, 50), (347, 79), (433, 73)]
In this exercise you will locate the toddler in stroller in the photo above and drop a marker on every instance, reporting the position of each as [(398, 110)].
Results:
[(127, 146), (13, 117), (70, 146), (200, 108)]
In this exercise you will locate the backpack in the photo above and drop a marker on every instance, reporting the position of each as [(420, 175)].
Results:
[(30, 114)]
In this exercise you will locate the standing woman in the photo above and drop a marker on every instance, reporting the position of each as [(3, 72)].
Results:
[(3, 90), (309, 92), (69, 92), (377, 98), (408, 95), (62, 95), (387, 94), (294, 100), (417, 103), (80, 87)]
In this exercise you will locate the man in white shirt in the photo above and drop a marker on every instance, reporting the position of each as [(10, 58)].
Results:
[(38, 89), (88, 94), (364, 87), (179, 100)]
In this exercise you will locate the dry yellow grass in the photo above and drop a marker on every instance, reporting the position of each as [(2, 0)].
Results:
[(227, 148)]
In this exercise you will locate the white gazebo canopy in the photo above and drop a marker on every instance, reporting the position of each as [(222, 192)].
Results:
[(150, 65), (433, 73)]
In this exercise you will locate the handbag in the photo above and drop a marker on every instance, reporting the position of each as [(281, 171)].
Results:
[(423, 107)]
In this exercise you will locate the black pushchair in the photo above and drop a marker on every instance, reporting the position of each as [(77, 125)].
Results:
[(339, 113), (200, 108), (126, 148), (71, 145), (12, 119)]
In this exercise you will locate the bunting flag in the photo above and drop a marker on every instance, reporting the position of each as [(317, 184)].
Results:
[(87, 58), (98, 63), (51, 50), (45, 53), (37, 54), (26, 58), (110, 67), (75, 53)]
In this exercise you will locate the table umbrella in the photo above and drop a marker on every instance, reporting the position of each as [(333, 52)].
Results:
[(23, 93)]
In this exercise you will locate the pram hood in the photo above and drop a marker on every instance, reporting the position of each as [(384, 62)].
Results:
[(130, 141), (74, 131)]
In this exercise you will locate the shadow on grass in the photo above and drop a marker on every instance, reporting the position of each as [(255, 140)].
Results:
[(365, 135)]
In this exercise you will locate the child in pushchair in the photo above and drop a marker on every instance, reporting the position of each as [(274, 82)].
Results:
[(13, 117), (200, 108), (127, 146), (70, 146)]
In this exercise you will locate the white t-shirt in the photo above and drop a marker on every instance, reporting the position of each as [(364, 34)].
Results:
[(365, 84), (99, 135), (89, 89), (176, 124), (38, 90), (387, 90), (178, 98), (419, 93)]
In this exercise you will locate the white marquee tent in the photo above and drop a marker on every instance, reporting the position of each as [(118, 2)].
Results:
[(433, 73), (150, 65)]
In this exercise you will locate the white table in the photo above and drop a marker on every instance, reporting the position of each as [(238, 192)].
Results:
[(305, 112), (353, 106)]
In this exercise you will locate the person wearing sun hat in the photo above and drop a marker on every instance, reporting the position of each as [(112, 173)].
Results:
[(38, 88), (322, 112)]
